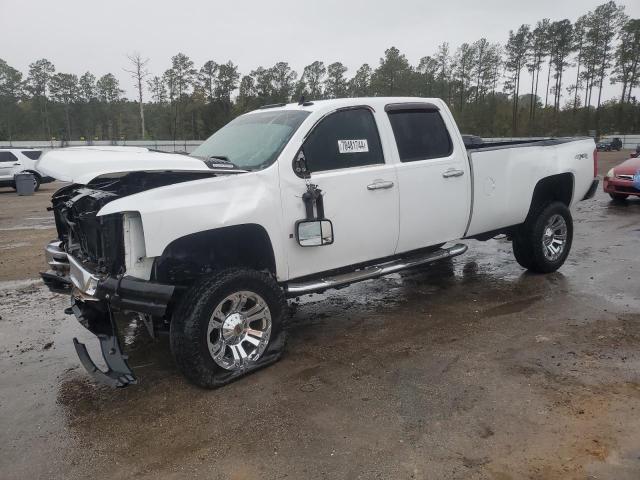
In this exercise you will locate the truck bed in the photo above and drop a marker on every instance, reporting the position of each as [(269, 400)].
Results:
[(505, 175), (521, 143)]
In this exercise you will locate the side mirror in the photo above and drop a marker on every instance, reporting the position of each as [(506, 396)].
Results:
[(314, 233), (300, 165)]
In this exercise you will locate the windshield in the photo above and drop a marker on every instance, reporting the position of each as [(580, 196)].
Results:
[(254, 141)]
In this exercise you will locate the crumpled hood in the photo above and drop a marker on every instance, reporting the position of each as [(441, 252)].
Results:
[(83, 164)]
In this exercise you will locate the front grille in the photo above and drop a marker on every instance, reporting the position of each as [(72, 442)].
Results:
[(95, 241), (624, 177)]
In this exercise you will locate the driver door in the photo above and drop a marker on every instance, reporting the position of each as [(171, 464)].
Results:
[(360, 194)]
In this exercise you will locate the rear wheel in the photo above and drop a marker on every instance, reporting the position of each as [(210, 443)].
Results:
[(543, 242), (227, 326), (618, 197)]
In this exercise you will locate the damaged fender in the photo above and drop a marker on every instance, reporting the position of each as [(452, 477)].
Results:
[(175, 211)]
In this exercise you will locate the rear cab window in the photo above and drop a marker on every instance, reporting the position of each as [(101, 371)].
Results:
[(344, 139), (7, 157), (420, 133)]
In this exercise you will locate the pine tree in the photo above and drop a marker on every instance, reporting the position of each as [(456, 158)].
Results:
[(335, 85), (516, 49)]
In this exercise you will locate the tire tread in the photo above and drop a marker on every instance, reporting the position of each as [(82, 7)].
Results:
[(526, 241)]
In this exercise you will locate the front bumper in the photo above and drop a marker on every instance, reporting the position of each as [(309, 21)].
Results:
[(93, 298), (67, 274), (619, 186), (57, 278)]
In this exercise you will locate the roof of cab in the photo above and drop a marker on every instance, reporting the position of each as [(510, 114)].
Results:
[(332, 104)]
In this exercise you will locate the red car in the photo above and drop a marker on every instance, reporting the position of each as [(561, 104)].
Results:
[(618, 182)]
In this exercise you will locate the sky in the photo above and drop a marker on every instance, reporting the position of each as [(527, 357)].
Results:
[(97, 36)]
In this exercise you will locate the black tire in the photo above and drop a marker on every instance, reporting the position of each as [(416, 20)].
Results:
[(529, 240), (188, 333), (618, 197), (522, 252)]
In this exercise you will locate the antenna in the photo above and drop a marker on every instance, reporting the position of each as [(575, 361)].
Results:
[(301, 101)]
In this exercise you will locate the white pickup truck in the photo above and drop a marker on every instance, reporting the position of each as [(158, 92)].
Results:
[(289, 200)]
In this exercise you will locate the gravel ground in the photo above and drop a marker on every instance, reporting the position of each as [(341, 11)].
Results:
[(468, 369)]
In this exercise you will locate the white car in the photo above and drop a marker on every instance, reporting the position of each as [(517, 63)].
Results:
[(289, 200), (20, 160)]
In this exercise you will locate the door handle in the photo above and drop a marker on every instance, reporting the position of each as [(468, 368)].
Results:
[(379, 185), (452, 172)]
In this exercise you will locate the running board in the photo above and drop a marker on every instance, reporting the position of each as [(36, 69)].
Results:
[(321, 284)]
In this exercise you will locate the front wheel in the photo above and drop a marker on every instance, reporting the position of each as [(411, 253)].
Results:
[(543, 242), (227, 326)]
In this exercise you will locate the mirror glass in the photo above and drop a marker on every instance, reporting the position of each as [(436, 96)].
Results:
[(313, 233)]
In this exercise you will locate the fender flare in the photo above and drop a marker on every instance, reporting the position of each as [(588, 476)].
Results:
[(246, 245)]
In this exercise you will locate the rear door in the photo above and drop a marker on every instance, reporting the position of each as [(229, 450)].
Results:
[(433, 176), (8, 163), (344, 154)]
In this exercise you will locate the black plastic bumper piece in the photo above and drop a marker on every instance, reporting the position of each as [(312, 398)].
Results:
[(125, 293), (592, 189), (129, 293), (113, 377), (102, 324)]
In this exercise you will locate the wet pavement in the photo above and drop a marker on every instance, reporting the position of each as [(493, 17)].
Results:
[(468, 369)]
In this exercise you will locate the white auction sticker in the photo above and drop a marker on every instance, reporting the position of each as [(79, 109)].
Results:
[(353, 146)]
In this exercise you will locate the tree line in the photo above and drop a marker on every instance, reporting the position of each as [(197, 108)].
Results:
[(482, 82)]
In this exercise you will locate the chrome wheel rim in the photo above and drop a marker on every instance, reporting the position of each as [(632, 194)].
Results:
[(554, 238), (239, 330)]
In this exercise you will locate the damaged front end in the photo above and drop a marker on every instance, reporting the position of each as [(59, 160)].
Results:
[(93, 300), (93, 262)]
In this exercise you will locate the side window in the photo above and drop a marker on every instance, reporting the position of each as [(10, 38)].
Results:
[(32, 154), (420, 134), (7, 157), (344, 139)]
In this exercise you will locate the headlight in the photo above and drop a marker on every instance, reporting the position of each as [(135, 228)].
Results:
[(609, 174), (92, 286)]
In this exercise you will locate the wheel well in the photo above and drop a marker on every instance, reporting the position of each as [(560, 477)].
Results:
[(554, 188), (188, 258), (33, 172)]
